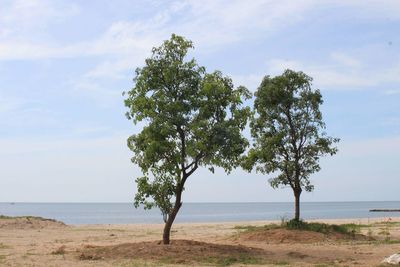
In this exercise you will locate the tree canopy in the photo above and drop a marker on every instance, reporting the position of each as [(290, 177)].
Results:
[(289, 133), (191, 118)]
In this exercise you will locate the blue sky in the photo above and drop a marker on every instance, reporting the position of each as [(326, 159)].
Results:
[(65, 64)]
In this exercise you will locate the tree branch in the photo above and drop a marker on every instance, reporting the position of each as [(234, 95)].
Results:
[(183, 150)]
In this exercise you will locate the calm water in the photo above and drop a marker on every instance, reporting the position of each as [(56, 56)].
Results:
[(105, 213)]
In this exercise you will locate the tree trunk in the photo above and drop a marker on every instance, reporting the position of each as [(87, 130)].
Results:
[(297, 205), (166, 233), (171, 218)]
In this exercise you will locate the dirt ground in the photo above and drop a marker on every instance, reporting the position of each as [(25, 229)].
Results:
[(36, 242)]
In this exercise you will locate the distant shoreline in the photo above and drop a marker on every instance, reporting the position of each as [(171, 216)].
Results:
[(205, 202), (125, 213), (365, 221)]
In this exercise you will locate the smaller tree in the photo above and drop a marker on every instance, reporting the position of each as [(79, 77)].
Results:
[(288, 133)]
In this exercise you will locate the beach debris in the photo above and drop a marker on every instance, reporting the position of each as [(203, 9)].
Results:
[(393, 259)]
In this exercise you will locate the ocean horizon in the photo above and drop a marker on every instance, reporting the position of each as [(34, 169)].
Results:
[(193, 212)]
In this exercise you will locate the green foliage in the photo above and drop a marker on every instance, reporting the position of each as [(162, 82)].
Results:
[(385, 232), (4, 217), (161, 190), (252, 228), (347, 229), (288, 131), (234, 259), (191, 118), (4, 246), (139, 263), (297, 224), (221, 260), (281, 263), (386, 223)]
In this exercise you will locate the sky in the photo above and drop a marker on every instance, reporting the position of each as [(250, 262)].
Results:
[(65, 63)]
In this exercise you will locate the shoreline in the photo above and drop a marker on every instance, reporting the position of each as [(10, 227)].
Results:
[(361, 220), (224, 212), (256, 223)]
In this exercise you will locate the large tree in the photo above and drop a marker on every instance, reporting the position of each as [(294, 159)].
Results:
[(289, 133), (191, 118)]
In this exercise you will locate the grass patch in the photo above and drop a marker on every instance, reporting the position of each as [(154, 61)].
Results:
[(227, 260), (347, 229), (387, 241), (281, 263), (179, 252), (3, 246), (252, 228), (386, 223), (211, 261), (136, 263), (83, 229), (4, 217), (166, 260), (233, 259)]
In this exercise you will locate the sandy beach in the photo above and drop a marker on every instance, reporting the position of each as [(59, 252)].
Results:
[(36, 242)]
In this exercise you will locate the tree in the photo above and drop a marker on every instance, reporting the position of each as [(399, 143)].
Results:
[(192, 119), (288, 133)]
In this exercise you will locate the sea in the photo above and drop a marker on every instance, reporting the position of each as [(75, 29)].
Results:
[(126, 213)]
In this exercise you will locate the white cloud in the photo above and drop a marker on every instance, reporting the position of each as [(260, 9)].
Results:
[(216, 22), (251, 81), (358, 69), (10, 104), (392, 121), (277, 66), (372, 9), (221, 22), (392, 92), (24, 29), (21, 19), (110, 69), (103, 94), (210, 24), (125, 38), (20, 111), (345, 59), (20, 50), (343, 72)]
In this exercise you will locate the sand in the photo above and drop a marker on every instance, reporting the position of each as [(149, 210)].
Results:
[(50, 243)]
